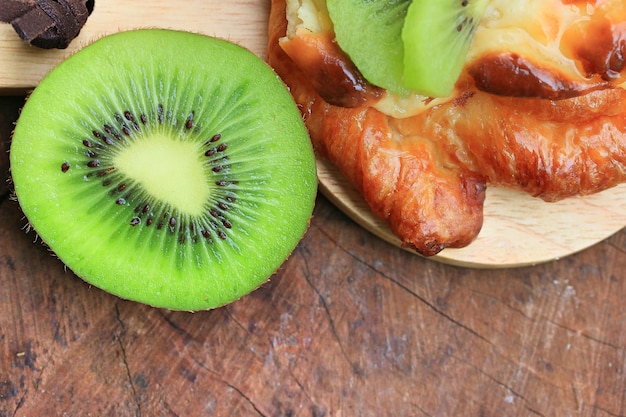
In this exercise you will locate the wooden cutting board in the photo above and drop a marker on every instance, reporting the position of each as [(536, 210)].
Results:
[(518, 230), (23, 66)]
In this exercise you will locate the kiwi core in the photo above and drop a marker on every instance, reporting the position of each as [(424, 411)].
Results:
[(169, 170)]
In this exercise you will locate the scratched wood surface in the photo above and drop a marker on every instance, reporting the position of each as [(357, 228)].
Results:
[(350, 326)]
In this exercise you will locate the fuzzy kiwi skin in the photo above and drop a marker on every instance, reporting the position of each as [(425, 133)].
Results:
[(161, 73)]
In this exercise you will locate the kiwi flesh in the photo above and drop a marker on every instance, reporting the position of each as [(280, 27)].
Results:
[(370, 32), (436, 37), (165, 167), (407, 46)]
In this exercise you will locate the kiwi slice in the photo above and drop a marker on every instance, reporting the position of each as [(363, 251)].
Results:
[(437, 35), (370, 32), (165, 167)]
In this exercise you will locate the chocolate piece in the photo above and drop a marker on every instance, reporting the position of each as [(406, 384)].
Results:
[(47, 23)]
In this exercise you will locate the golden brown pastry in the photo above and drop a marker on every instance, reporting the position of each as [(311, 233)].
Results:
[(545, 114)]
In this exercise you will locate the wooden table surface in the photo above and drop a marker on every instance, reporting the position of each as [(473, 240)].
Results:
[(350, 326)]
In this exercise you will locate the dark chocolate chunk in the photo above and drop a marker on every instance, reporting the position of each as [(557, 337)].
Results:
[(47, 23)]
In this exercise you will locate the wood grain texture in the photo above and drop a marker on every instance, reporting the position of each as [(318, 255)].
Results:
[(349, 326), (241, 21)]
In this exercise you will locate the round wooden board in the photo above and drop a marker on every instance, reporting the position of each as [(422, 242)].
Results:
[(518, 230)]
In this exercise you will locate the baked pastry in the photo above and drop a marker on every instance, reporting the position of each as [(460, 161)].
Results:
[(540, 107)]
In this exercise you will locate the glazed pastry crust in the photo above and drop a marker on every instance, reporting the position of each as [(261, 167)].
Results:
[(426, 175)]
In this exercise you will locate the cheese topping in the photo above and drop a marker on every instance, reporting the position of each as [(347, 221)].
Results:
[(543, 48)]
